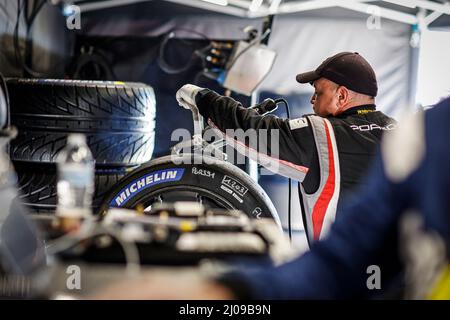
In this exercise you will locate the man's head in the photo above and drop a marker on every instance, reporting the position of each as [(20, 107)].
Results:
[(329, 98), (342, 81)]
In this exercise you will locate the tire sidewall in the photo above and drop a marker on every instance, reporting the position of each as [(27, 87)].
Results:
[(218, 177)]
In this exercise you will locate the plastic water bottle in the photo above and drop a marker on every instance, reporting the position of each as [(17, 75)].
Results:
[(75, 186)]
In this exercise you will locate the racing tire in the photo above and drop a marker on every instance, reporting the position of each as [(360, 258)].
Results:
[(37, 186), (212, 182), (117, 118)]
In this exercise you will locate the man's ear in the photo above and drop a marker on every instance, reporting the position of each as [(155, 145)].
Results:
[(343, 94)]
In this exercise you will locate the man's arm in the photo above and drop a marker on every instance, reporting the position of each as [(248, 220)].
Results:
[(295, 146)]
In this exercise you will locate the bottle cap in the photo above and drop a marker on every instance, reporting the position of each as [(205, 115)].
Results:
[(76, 138)]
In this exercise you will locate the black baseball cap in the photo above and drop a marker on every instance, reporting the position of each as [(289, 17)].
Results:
[(347, 69)]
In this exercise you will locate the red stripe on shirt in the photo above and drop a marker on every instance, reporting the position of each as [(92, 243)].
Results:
[(320, 207)]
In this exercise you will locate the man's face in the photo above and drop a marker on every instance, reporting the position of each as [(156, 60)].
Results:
[(325, 97)]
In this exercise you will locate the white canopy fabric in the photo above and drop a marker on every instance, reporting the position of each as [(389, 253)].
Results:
[(302, 44)]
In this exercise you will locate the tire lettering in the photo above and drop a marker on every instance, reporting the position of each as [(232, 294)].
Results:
[(150, 179)]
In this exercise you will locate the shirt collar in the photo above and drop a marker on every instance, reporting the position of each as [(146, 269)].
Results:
[(367, 108)]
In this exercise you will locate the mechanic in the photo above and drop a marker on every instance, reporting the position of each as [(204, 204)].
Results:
[(399, 222), (328, 152)]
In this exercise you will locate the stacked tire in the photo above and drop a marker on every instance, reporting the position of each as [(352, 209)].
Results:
[(117, 118)]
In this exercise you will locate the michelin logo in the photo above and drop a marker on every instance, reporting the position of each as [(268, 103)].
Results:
[(144, 182)]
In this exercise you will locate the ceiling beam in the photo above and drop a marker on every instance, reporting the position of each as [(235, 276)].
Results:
[(99, 5), (362, 6), (242, 8), (384, 12), (432, 17), (425, 4), (200, 4)]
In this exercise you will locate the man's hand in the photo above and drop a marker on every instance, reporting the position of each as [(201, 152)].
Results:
[(186, 95)]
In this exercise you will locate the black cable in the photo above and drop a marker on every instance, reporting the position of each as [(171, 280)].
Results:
[(289, 179), (16, 33), (28, 42), (94, 60), (251, 44), (300, 198), (23, 7), (37, 8), (196, 53), (267, 25)]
